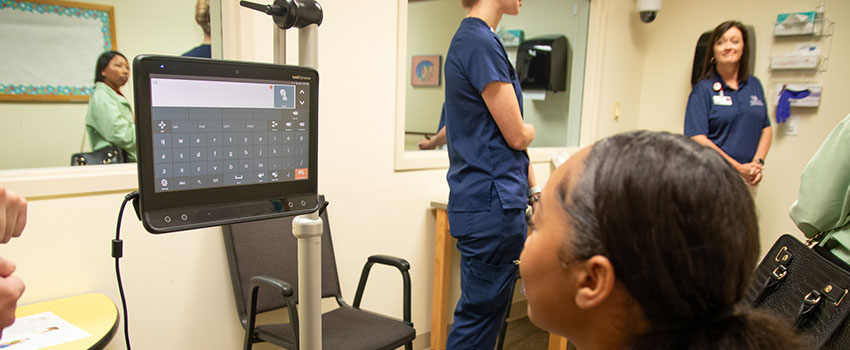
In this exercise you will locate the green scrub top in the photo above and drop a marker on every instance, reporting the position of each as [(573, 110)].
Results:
[(823, 203), (109, 121)]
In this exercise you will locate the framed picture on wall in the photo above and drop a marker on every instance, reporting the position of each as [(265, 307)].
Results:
[(426, 70)]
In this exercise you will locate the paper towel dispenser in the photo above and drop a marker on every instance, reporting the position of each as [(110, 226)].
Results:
[(542, 63)]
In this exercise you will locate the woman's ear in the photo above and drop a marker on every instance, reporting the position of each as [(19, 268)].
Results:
[(596, 282)]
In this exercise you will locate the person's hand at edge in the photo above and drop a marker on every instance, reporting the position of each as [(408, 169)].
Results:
[(13, 214), (11, 289)]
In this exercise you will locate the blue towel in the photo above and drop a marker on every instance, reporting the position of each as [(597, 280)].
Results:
[(783, 109)]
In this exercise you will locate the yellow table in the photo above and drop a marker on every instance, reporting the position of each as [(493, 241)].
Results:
[(440, 295), (93, 313)]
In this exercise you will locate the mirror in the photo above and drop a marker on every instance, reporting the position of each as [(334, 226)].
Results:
[(429, 29), (37, 135)]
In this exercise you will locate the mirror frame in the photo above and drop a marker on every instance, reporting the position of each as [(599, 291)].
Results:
[(438, 159)]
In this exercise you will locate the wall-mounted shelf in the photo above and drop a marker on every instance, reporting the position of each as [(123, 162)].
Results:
[(802, 42), (795, 62), (813, 100), (803, 23)]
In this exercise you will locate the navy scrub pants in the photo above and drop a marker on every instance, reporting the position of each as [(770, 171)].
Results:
[(488, 243)]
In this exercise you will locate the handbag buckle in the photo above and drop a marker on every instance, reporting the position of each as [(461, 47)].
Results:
[(779, 272), (835, 294), (813, 298), (840, 299), (783, 255)]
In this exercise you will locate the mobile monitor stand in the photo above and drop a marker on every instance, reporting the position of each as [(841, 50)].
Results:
[(307, 16), (222, 142)]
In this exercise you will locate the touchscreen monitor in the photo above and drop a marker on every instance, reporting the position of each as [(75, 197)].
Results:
[(221, 142)]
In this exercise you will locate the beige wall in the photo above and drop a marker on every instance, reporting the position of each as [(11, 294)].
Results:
[(45, 134), (667, 49), (178, 285), (620, 74)]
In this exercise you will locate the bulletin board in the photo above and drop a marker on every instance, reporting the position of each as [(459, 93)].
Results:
[(48, 48)]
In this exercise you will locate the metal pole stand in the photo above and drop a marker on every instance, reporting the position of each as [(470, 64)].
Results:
[(308, 229), (306, 15)]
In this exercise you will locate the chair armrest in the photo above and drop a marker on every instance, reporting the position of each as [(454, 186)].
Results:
[(399, 263), (285, 289), (402, 265)]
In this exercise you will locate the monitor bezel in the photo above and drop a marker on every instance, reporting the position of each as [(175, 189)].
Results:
[(146, 65)]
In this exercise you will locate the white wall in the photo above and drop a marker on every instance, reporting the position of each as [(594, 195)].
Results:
[(667, 49), (46, 134)]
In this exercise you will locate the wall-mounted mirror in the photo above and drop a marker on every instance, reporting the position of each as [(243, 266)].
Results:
[(45, 134), (425, 30)]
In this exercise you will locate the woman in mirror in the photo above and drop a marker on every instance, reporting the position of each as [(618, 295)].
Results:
[(647, 240), (109, 120), (726, 109), (202, 17)]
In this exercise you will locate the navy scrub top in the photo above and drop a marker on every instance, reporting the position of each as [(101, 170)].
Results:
[(479, 156), (735, 128)]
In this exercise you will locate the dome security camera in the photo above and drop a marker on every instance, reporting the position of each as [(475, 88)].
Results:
[(648, 9)]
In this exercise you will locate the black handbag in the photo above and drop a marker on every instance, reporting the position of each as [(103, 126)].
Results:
[(106, 155), (807, 287)]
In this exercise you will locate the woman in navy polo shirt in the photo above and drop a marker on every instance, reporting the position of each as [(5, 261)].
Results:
[(726, 110), (489, 175)]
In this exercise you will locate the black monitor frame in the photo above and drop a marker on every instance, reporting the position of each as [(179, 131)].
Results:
[(220, 205)]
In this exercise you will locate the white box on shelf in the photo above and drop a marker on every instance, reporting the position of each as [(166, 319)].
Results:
[(798, 23), (794, 62)]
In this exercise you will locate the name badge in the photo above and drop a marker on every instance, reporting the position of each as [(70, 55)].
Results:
[(722, 100)]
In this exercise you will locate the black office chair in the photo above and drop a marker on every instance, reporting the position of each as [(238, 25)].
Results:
[(264, 271)]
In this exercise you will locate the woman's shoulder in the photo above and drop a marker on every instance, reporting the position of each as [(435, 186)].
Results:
[(705, 83), (101, 90), (471, 32), (753, 80), (703, 86)]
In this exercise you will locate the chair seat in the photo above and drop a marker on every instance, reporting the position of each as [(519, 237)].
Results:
[(350, 329)]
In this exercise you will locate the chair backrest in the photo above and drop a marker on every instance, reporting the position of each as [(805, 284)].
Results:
[(268, 248)]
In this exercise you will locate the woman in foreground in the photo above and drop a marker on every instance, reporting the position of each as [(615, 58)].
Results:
[(647, 241)]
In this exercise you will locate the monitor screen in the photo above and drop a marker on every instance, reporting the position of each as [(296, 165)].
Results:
[(223, 142)]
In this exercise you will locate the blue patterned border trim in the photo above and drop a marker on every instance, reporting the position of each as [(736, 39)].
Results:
[(46, 90), (25, 6)]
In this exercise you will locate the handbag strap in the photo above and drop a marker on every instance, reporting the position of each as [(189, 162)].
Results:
[(783, 259), (770, 283), (807, 308)]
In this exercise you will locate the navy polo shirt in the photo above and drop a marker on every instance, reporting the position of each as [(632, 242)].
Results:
[(479, 156), (735, 128)]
